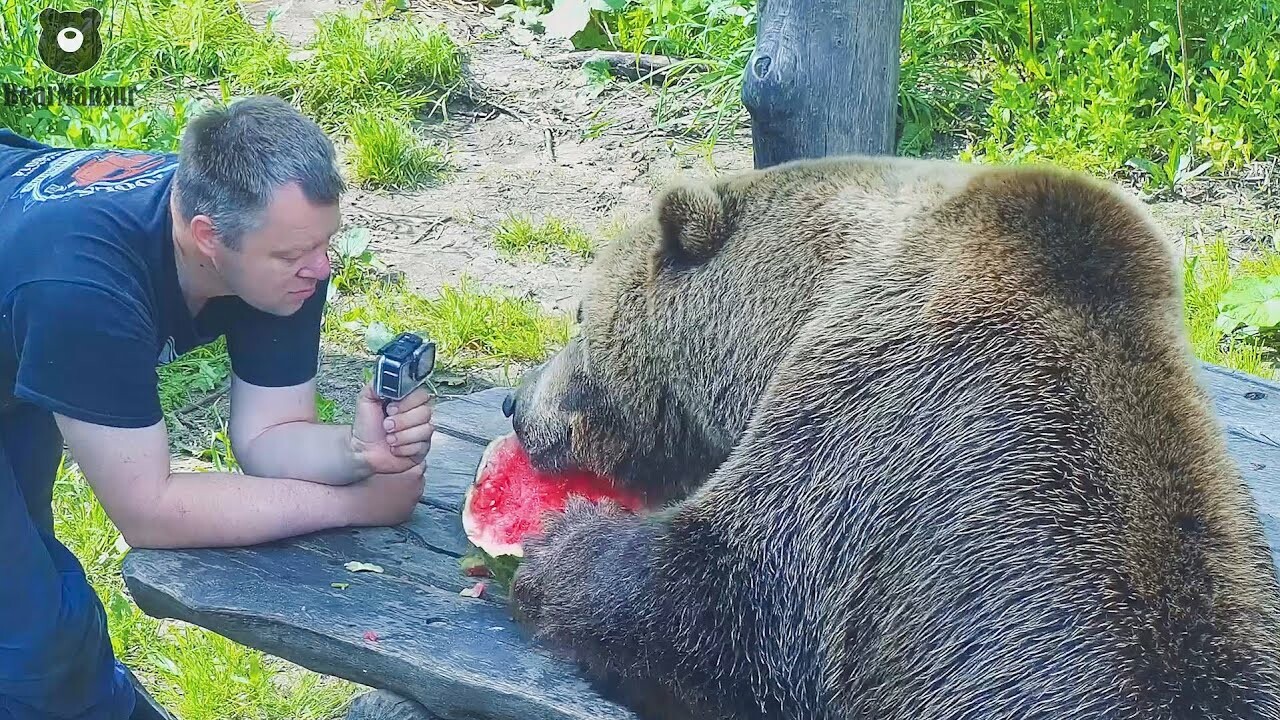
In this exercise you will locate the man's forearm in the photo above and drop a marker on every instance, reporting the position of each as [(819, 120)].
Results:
[(316, 452), (212, 509)]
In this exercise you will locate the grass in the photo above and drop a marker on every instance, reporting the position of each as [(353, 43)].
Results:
[(474, 331), (365, 76), (1155, 87), (1208, 276), (1090, 85), (518, 236), (356, 65), (386, 153)]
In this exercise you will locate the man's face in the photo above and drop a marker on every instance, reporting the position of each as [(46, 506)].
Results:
[(277, 267)]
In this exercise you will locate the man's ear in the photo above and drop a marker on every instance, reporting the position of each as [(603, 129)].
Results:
[(205, 235), (691, 221)]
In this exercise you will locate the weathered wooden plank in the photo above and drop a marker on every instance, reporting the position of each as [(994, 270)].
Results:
[(439, 529), (477, 417), (461, 658), (1244, 403), (451, 468), (1248, 408)]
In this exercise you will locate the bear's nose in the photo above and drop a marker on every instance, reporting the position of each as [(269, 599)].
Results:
[(509, 405)]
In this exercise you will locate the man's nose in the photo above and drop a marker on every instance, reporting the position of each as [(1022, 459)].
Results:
[(318, 270)]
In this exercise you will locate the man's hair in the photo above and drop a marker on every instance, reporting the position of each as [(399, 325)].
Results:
[(233, 159)]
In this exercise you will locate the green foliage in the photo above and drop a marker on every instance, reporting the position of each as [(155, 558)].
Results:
[(357, 63), (1230, 309), (364, 76), (149, 46), (473, 329), (196, 373), (1089, 86), (387, 154), (1251, 303), (518, 236)]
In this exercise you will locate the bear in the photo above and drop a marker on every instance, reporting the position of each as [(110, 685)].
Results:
[(69, 41), (925, 441)]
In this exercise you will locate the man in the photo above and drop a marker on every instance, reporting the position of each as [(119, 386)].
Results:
[(112, 262)]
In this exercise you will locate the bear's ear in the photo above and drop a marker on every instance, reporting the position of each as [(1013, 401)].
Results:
[(48, 18), (91, 17), (691, 219)]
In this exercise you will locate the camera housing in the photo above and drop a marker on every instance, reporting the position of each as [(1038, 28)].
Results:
[(403, 364)]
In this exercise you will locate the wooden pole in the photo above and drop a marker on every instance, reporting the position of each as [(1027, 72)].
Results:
[(823, 79)]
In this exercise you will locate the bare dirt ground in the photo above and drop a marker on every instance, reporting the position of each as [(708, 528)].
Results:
[(519, 150)]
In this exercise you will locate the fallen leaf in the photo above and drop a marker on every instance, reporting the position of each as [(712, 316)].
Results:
[(355, 566), (340, 586), (474, 591), (371, 636)]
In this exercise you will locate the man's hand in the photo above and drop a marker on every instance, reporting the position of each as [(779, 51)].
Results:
[(396, 441), (387, 499), (275, 433)]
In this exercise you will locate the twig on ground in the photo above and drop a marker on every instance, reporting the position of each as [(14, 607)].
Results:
[(549, 140), (633, 66), (206, 400), (437, 223), (503, 109)]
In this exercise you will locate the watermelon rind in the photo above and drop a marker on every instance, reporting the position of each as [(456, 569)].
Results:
[(475, 533)]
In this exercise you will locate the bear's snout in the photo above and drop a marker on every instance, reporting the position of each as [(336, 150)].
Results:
[(70, 40)]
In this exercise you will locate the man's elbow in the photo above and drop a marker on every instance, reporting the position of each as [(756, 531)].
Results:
[(154, 525)]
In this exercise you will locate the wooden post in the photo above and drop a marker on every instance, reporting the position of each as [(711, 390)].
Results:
[(823, 79)]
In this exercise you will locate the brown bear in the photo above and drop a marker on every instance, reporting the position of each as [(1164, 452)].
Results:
[(931, 446)]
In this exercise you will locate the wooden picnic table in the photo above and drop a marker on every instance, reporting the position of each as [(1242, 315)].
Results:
[(463, 658)]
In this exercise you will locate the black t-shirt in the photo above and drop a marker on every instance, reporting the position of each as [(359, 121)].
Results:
[(89, 298)]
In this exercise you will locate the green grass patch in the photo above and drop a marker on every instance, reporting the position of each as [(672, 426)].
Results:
[(364, 76), (474, 329), (1209, 278), (155, 47), (358, 63), (519, 236), (386, 153), (200, 371)]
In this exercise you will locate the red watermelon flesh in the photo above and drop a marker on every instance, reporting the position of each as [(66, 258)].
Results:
[(505, 503)]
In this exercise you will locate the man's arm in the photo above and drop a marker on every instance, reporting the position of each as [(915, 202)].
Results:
[(129, 470), (275, 432)]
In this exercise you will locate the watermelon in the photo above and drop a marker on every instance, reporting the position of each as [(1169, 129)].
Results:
[(506, 502)]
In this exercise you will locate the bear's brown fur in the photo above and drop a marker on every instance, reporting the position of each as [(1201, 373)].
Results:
[(934, 447)]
